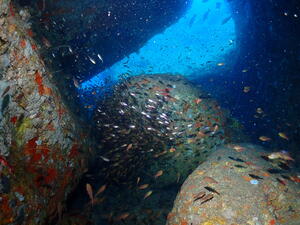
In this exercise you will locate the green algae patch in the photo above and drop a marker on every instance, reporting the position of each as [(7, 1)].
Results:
[(21, 129)]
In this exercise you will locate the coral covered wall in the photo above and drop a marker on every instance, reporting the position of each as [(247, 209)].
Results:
[(40, 152)]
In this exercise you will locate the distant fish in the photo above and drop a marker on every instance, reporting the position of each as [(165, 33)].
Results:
[(274, 171), (211, 190), (172, 149), (99, 56), (147, 194), (76, 83), (218, 5), (255, 176), (158, 174), (104, 158), (281, 181), (281, 155), (224, 21), (246, 89), (284, 166), (264, 138), (122, 217), (129, 147), (100, 190), (236, 159), (240, 166), (92, 61), (5, 91), (259, 110), (89, 191), (192, 20), (283, 135), (238, 148), (207, 198), (198, 196), (205, 15), (143, 186)]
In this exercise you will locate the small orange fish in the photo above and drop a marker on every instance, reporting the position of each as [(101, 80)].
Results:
[(129, 147), (246, 178), (238, 148), (264, 138), (89, 190), (148, 194), (123, 216), (144, 186), (101, 189), (172, 149), (198, 100), (158, 174), (265, 174), (283, 135)]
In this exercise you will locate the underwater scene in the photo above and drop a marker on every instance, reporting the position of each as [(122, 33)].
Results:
[(158, 112)]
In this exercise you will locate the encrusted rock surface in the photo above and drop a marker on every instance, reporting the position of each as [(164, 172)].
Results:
[(251, 190), (40, 141)]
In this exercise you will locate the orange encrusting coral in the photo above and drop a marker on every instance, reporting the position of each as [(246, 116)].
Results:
[(43, 90), (23, 43), (39, 81)]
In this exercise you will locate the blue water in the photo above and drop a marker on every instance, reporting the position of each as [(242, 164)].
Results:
[(194, 46)]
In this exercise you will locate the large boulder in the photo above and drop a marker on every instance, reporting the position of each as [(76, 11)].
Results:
[(239, 184), (157, 122)]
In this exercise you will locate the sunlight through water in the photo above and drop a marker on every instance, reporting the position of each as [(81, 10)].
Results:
[(202, 41)]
